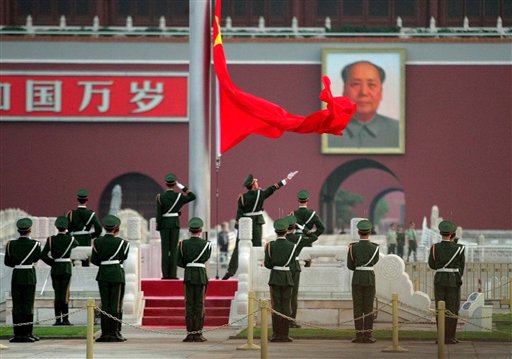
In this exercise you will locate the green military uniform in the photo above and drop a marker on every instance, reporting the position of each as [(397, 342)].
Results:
[(278, 256), (300, 241), (56, 253), (307, 219), (81, 221), (250, 204), (192, 255), (391, 240), (21, 254), (448, 260), (412, 244), (361, 258), (109, 252), (168, 206)]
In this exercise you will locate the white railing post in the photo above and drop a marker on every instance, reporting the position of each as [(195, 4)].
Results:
[(261, 23), (229, 23), (328, 24), (62, 22), (29, 26), (499, 26), (295, 25), (465, 24), (432, 28), (129, 24), (161, 23), (95, 25)]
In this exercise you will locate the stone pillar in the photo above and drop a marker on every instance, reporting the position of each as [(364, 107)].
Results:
[(239, 304)]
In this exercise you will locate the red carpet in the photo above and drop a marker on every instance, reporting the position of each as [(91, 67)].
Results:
[(165, 302)]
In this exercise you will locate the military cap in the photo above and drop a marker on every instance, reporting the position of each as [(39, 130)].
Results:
[(281, 224), (195, 223), (110, 222), (24, 224), (170, 178), (248, 181), (447, 227), (364, 225), (303, 195), (291, 219), (82, 193), (62, 222)]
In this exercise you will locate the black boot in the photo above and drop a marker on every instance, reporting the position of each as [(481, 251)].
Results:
[(368, 329), (30, 327), (274, 337), (58, 314), (358, 324), (190, 328), (65, 314), (286, 330), (19, 334), (118, 327), (105, 329), (227, 276)]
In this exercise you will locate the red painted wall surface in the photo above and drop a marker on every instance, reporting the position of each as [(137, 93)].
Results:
[(458, 148)]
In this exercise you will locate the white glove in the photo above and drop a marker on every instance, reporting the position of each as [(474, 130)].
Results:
[(180, 186), (291, 174)]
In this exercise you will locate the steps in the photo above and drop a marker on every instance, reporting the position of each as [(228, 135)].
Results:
[(165, 302)]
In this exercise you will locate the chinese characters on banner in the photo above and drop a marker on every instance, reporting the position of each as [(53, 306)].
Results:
[(76, 97)]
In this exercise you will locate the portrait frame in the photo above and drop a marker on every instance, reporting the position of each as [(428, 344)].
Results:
[(391, 108)]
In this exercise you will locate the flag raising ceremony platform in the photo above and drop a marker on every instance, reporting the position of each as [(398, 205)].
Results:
[(165, 302)]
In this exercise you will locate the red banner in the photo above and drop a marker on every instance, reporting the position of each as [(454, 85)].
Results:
[(96, 97)]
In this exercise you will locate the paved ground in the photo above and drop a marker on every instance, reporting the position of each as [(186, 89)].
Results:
[(145, 344)]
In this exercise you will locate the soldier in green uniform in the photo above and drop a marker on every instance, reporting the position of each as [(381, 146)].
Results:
[(56, 253), (307, 220), (448, 260), (300, 241), (192, 255), (168, 206), (278, 256), (21, 254), (81, 221), (250, 204), (361, 258), (109, 252)]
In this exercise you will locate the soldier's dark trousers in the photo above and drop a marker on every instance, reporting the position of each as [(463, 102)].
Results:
[(451, 297), (295, 293), (194, 306), (60, 284), (111, 303), (23, 296), (362, 304), (169, 238), (280, 298)]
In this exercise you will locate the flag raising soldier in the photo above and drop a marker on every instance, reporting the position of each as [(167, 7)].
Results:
[(300, 241), (308, 221), (448, 260), (108, 253), (56, 253), (361, 258), (81, 221), (278, 256), (250, 204), (192, 255), (21, 254), (168, 206)]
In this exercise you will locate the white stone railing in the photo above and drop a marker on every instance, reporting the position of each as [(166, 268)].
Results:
[(293, 31)]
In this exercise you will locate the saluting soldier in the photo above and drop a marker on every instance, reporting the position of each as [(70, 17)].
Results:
[(81, 221), (109, 252), (192, 255), (361, 258), (308, 220), (250, 204), (448, 260), (21, 254), (168, 206), (56, 253), (300, 241), (278, 256)]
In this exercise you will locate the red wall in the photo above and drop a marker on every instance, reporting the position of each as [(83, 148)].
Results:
[(458, 148)]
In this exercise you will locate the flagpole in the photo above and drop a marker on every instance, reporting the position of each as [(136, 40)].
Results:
[(199, 108)]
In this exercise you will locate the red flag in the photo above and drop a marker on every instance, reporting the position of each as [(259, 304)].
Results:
[(243, 114)]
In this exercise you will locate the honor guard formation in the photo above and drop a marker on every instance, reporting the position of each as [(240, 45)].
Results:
[(300, 229)]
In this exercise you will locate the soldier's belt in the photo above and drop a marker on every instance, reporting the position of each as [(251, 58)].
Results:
[(104, 263), (253, 213), (297, 258), (450, 270), (62, 260), (298, 231), (170, 215), (364, 268), (80, 232), (285, 269), (198, 265), (23, 266)]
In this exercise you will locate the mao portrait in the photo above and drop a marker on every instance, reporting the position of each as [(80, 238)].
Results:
[(374, 79)]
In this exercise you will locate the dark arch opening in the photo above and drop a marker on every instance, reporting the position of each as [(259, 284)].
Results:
[(138, 193), (377, 198), (337, 177)]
